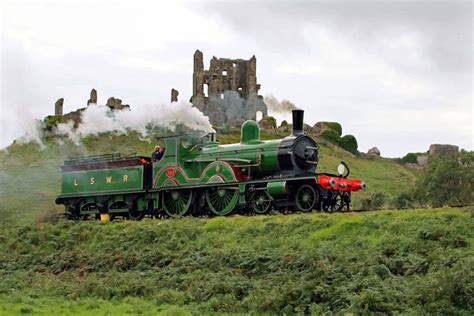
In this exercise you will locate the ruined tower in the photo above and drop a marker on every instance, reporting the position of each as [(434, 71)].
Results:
[(93, 97), (174, 95), (58, 107), (228, 91)]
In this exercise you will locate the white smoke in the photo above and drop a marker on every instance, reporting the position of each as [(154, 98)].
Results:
[(276, 106), (32, 129), (98, 119)]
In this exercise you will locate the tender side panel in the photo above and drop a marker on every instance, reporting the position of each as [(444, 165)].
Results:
[(102, 181)]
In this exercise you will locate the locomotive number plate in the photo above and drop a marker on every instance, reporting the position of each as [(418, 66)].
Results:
[(170, 173)]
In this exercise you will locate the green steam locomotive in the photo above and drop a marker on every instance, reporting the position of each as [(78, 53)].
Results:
[(198, 176)]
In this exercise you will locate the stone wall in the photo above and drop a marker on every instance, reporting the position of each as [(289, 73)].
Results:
[(228, 91), (58, 107)]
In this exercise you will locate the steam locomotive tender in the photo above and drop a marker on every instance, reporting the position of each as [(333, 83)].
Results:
[(198, 176)]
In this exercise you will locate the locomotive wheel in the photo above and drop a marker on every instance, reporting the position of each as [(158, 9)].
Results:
[(260, 202), (338, 202), (306, 198), (136, 215), (176, 203), (222, 201), (346, 198)]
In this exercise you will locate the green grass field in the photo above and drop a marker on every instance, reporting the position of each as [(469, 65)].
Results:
[(410, 262), (30, 179)]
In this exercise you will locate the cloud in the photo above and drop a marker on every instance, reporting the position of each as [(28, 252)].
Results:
[(442, 29), (365, 64)]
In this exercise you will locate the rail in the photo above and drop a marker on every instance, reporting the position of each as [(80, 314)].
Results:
[(98, 158)]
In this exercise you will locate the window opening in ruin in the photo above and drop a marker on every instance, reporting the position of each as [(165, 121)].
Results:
[(206, 87), (222, 96), (240, 91), (214, 76), (224, 72), (258, 116)]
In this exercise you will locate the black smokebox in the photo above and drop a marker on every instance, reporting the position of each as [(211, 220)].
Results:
[(298, 122)]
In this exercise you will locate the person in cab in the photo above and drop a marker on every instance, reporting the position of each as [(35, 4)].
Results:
[(157, 154)]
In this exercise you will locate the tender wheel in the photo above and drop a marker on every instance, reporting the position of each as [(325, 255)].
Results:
[(73, 212), (88, 207), (260, 202), (118, 205), (222, 201), (177, 202), (306, 198), (135, 215)]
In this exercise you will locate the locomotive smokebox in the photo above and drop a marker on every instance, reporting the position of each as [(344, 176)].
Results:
[(298, 116)]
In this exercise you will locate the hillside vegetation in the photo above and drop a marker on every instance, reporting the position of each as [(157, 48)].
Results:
[(417, 261), (413, 262), (30, 179)]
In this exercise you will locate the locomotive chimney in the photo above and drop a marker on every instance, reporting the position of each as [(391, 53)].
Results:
[(298, 122)]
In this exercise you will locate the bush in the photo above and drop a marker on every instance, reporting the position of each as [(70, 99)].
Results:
[(410, 158), (374, 202), (50, 122), (268, 121), (332, 136), (447, 181), (403, 201), (284, 123), (334, 126), (349, 143)]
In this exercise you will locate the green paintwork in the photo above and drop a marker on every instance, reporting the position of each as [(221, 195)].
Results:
[(95, 181), (277, 188), (250, 133), (201, 164)]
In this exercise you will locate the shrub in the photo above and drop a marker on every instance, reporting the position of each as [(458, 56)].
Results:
[(374, 202), (349, 143), (403, 201), (331, 135), (334, 126), (409, 158), (50, 122), (269, 121), (447, 181), (284, 123)]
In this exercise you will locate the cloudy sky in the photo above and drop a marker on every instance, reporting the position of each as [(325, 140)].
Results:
[(396, 74)]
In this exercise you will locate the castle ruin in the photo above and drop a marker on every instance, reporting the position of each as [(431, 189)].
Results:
[(58, 107), (228, 91)]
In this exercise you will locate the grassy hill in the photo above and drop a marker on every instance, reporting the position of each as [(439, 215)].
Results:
[(30, 180), (411, 262), (416, 261)]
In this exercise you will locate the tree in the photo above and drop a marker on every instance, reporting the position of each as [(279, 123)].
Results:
[(410, 158), (447, 181)]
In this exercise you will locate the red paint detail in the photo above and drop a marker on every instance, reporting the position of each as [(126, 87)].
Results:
[(239, 175), (344, 184), (170, 173)]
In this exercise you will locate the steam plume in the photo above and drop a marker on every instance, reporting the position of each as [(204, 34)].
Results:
[(279, 107), (96, 119)]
